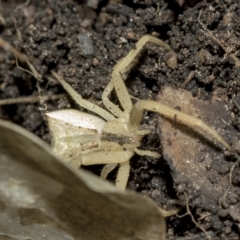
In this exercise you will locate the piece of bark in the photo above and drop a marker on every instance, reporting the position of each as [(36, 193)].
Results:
[(198, 165)]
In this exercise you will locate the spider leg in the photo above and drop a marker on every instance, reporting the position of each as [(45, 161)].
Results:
[(170, 113), (123, 175), (107, 169), (80, 101), (108, 104), (112, 159), (147, 153), (117, 81), (106, 157)]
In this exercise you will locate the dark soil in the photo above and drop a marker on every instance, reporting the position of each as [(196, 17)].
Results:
[(85, 39)]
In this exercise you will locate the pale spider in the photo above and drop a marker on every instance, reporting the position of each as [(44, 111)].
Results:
[(81, 138)]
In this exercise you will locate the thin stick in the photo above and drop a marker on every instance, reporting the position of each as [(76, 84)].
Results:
[(31, 99), (22, 6), (188, 79), (210, 34), (2, 20), (7, 47)]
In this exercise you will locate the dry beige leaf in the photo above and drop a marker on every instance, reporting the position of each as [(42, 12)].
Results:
[(43, 198)]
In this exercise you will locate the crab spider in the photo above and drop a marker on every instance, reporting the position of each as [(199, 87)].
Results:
[(84, 139)]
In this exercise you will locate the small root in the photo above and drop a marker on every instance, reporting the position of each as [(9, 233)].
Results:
[(224, 198), (193, 219)]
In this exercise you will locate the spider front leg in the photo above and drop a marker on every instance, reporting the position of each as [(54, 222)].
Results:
[(80, 101), (117, 81), (170, 113)]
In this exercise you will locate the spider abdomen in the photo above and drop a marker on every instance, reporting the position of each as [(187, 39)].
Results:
[(74, 134)]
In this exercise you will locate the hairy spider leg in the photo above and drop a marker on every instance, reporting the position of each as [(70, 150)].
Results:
[(80, 101), (170, 113), (117, 81)]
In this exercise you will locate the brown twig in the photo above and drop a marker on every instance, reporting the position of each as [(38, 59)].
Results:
[(31, 99), (188, 79), (7, 47)]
